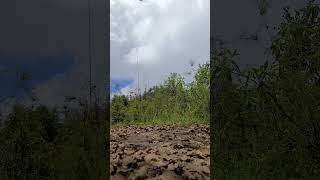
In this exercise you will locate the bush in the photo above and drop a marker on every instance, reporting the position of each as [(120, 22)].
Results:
[(266, 119)]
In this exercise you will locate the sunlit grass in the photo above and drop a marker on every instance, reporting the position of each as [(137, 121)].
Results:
[(179, 120)]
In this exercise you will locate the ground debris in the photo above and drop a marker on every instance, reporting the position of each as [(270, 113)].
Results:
[(160, 152)]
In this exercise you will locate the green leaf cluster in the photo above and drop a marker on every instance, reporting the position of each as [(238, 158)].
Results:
[(266, 119), (172, 101)]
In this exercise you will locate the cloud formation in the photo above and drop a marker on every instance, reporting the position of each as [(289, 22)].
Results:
[(160, 36), (39, 70), (48, 28)]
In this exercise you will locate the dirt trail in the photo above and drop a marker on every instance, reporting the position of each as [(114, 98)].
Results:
[(160, 152)]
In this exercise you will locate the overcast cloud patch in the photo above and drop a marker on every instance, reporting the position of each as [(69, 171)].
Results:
[(153, 38), (39, 69)]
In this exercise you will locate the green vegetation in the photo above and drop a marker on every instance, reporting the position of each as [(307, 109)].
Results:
[(36, 143), (266, 119), (174, 101)]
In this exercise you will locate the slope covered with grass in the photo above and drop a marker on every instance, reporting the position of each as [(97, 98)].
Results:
[(173, 101)]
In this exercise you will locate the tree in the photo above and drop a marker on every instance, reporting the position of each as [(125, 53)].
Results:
[(119, 104), (266, 118)]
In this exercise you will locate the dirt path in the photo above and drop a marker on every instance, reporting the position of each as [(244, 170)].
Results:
[(160, 152)]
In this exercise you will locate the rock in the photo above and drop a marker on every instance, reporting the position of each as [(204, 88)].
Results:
[(118, 177), (154, 160), (168, 175), (160, 152)]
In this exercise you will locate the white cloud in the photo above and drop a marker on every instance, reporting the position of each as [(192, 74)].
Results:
[(149, 55), (126, 90), (167, 33), (123, 91)]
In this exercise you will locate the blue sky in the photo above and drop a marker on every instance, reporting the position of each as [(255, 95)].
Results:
[(41, 69), (35, 36), (117, 84)]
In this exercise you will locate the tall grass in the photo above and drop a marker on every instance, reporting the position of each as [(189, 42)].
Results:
[(173, 101)]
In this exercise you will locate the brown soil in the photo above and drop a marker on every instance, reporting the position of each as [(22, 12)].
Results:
[(160, 152)]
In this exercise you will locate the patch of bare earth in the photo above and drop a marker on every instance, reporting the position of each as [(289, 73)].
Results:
[(160, 152)]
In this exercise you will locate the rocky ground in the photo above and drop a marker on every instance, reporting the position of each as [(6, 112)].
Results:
[(160, 152)]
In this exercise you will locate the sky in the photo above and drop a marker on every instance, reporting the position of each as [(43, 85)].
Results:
[(49, 40), (163, 36), (40, 69), (233, 21)]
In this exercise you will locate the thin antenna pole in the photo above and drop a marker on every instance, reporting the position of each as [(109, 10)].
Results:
[(139, 95), (90, 52), (138, 73), (90, 93)]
